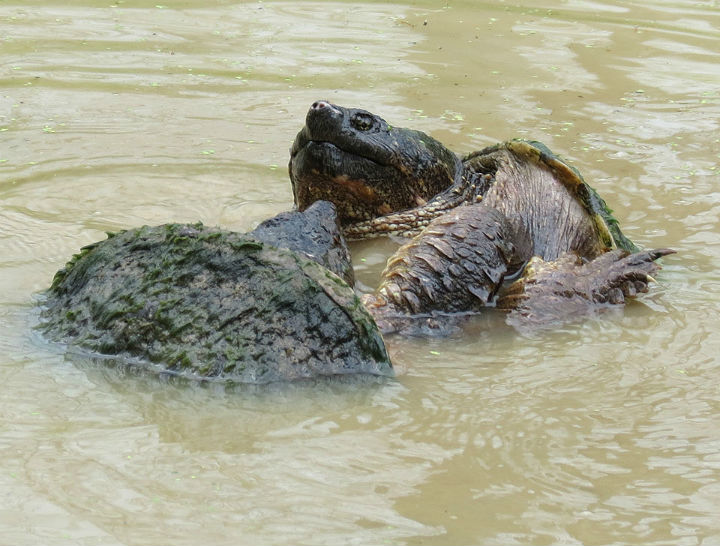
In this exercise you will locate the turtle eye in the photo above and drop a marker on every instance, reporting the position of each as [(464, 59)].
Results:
[(362, 122)]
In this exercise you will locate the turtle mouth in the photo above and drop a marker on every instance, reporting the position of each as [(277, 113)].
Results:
[(326, 158), (321, 170), (303, 141)]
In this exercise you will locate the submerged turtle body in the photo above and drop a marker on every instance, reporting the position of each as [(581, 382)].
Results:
[(476, 220), (207, 303)]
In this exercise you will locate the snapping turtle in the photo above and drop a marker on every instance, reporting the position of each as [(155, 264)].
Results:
[(206, 303), (510, 226), (480, 219)]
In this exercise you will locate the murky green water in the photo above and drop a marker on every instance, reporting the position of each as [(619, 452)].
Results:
[(116, 114)]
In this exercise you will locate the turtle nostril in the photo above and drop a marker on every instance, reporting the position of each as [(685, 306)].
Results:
[(322, 113)]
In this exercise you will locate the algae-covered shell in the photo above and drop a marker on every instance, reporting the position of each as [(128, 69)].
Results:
[(208, 303)]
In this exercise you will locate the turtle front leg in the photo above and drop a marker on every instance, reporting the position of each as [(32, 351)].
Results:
[(456, 264), (552, 292)]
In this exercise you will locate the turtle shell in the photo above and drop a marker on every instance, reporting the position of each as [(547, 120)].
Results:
[(206, 303), (607, 225)]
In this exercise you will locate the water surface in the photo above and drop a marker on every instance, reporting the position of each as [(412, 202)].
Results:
[(117, 114)]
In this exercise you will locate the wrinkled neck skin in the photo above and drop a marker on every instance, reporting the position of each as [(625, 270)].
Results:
[(367, 168)]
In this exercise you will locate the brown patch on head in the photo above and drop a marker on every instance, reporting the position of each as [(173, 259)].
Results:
[(356, 187)]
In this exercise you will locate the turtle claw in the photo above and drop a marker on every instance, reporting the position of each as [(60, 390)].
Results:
[(551, 292), (617, 275)]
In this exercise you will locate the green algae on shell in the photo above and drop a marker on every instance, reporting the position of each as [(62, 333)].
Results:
[(207, 303)]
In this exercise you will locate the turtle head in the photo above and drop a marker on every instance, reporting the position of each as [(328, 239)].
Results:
[(365, 166)]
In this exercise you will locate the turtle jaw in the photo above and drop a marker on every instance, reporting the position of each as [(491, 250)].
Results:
[(356, 185)]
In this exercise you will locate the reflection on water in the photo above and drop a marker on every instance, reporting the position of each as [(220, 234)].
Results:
[(124, 113)]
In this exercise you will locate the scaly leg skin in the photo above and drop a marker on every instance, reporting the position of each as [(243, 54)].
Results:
[(549, 293), (455, 265)]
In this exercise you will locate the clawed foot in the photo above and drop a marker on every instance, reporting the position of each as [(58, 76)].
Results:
[(617, 275), (551, 292)]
